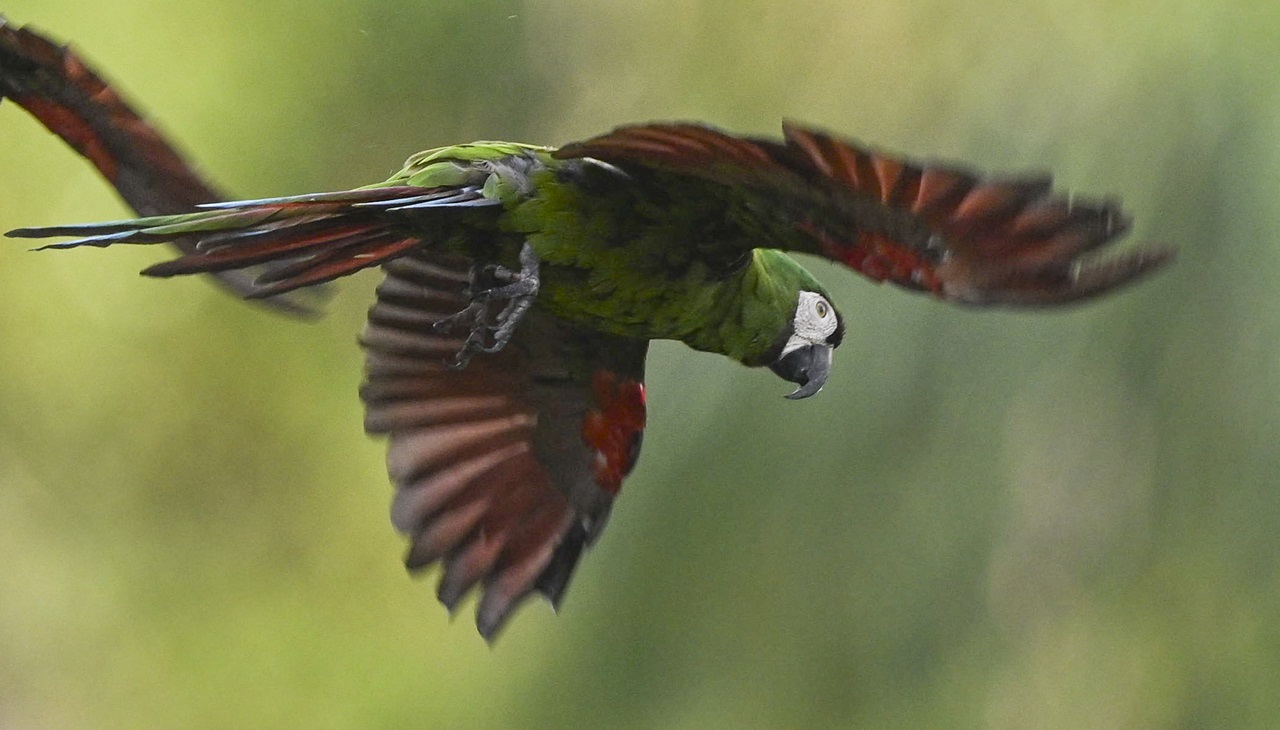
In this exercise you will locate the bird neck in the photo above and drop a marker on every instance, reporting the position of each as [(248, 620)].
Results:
[(745, 315)]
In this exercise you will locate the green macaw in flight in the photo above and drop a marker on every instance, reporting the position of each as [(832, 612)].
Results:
[(523, 284)]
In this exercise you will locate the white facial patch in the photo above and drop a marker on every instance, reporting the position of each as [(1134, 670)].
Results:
[(814, 322)]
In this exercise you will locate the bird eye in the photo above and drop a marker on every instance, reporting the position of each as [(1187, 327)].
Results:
[(821, 308)]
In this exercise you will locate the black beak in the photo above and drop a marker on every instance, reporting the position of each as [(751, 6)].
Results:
[(808, 366)]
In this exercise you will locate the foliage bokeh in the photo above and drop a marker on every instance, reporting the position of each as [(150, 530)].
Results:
[(988, 519)]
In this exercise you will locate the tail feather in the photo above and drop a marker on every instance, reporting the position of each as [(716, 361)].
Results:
[(301, 240), (265, 247), (381, 195), (101, 228), (336, 264), (273, 231)]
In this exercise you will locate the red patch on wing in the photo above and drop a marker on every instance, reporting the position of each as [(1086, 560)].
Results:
[(880, 258), (614, 430)]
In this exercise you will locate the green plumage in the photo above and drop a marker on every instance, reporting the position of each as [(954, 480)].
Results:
[(621, 254), (505, 351)]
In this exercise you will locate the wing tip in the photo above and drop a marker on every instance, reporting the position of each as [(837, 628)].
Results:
[(1099, 277), (1072, 282), (554, 578), (497, 604)]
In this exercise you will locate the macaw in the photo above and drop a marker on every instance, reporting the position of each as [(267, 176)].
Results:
[(505, 351)]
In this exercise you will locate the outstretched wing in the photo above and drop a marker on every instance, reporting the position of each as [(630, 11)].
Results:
[(74, 103), (504, 471), (934, 228)]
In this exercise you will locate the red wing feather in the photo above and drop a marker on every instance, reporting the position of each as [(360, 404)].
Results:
[(936, 228), (506, 470), (974, 240)]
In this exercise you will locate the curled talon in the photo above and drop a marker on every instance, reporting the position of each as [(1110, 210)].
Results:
[(516, 291)]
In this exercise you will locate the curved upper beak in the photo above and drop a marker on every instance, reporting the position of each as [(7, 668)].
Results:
[(808, 366)]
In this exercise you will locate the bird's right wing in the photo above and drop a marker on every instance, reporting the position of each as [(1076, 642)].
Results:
[(73, 102)]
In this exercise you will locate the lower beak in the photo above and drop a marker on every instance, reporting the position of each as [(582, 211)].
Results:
[(808, 366)]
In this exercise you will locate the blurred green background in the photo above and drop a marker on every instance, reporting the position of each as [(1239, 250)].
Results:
[(987, 520)]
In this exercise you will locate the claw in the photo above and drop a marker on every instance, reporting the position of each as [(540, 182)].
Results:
[(517, 291), (468, 316)]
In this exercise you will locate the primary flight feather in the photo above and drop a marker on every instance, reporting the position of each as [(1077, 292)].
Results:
[(505, 351)]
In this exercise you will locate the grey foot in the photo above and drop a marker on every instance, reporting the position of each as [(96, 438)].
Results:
[(494, 312)]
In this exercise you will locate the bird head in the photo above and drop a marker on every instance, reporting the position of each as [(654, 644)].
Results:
[(814, 331)]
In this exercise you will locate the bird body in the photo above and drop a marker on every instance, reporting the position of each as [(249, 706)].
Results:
[(505, 350), (619, 255)]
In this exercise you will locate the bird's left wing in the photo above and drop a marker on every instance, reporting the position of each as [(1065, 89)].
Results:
[(931, 227), (505, 470)]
